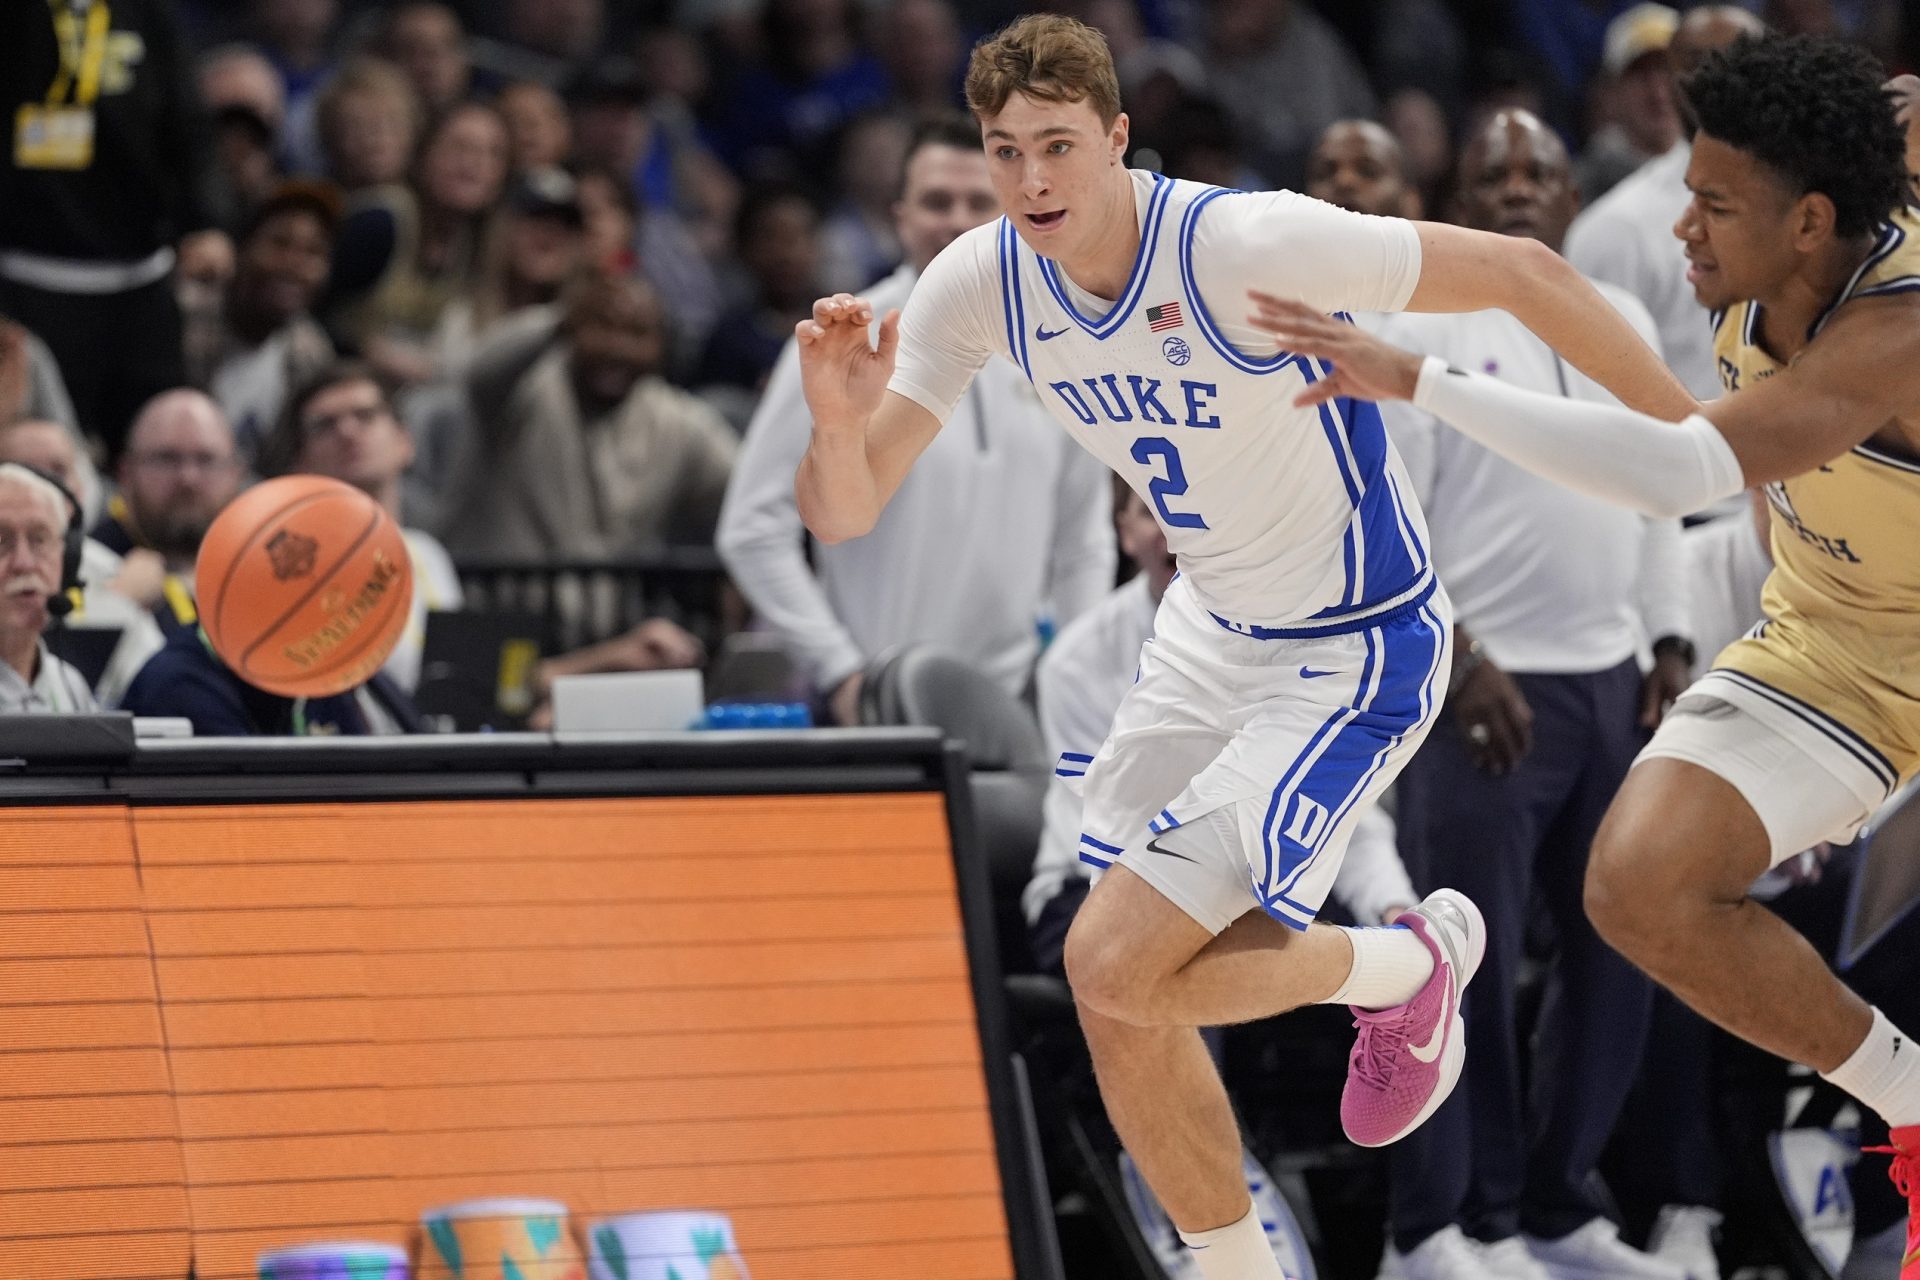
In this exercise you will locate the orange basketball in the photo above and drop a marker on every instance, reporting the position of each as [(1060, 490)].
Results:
[(304, 586)]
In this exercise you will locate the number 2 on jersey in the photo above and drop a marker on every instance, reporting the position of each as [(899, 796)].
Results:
[(1172, 485)]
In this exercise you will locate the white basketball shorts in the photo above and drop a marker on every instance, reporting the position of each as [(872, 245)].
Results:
[(1293, 735)]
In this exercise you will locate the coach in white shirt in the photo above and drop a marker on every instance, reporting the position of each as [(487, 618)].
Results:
[(1627, 238), (1002, 524), (1546, 712)]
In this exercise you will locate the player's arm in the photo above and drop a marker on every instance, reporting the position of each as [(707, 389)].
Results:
[(1467, 270), (865, 437), (1861, 372)]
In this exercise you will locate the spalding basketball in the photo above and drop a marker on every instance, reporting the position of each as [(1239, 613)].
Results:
[(304, 586)]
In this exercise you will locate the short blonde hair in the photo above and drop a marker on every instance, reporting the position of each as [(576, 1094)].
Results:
[(1047, 56)]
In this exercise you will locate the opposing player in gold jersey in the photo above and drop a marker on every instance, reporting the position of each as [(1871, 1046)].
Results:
[(1800, 243)]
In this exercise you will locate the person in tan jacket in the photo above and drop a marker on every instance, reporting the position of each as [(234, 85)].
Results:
[(581, 450)]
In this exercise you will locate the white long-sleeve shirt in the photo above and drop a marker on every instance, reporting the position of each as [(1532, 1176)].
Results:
[(1626, 238), (1548, 580), (1002, 521), (1082, 678)]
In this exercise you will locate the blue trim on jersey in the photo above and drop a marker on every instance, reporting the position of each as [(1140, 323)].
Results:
[(1104, 848), (1204, 318), (1012, 302), (1899, 284), (1360, 443), (1394, 698), (1341, 626), (1440, 634), (1886, 459), (1104, 864), (1075, 755), (1107, 325), (1891, 237), (1069, 773)]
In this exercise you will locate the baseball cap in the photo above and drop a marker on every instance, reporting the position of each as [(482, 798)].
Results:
[(547, 192), (1637, 32)]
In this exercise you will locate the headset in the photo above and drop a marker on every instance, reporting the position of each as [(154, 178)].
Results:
[(72, 544)]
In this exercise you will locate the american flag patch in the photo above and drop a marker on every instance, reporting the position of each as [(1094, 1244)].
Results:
[(1165, 316)]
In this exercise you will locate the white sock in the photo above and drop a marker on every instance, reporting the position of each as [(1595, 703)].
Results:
[(1390, 965), (1238, 1251), (1884, 1073)]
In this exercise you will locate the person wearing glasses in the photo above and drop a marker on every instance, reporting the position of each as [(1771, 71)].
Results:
[(179, 469), (33, 526)]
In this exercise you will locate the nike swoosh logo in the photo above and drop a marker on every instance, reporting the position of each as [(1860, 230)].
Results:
[(1045, 334), (1430, 1051), (1311, 673), (1154, 845)]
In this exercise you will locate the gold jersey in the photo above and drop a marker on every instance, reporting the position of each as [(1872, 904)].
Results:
[(1842, 629)]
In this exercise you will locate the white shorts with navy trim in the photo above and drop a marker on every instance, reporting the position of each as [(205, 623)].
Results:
[(1808, 777), (1293, 736)]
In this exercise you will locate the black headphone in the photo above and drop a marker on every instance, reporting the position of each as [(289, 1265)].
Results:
[(72, 543)]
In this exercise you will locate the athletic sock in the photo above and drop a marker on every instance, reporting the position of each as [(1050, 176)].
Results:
[(1238, 1251), (1390, 966), (1884, 1073)]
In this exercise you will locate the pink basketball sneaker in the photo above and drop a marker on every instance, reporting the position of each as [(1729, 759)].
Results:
[(1407, 1058)]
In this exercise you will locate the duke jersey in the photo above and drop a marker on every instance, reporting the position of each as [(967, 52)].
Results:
[(1841, 601), (1285, 521)]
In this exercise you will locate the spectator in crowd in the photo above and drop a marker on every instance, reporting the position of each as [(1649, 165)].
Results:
[(777, 238), (1626, 237), (539, 135), (238, 75), (539, 245), (404, 253), (34, 516), (101, 194), (1284, 75), (262, 339), (919, 42), (611, 218), (368, 122), (680, 197), (189, 681), (816, 74), (1419, 125), (243, 151), (30, 381), (564, 33), (1081, 679), (1003, 522), (179, 469), (54, 451), (581, 450), (1640, 108), (339, 423), (1548, 708), (297, 37), (1358, 165), (425, 40), (857, 240), (1158, 81)]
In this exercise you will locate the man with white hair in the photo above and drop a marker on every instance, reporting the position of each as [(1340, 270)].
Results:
[(33, 526)]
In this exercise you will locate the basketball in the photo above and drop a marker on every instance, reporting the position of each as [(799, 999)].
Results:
[(304, 586)]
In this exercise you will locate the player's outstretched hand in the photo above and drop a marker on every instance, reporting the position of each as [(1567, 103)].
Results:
[(1363, 366), (843, 373)]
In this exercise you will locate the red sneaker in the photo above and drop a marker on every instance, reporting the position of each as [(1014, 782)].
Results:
[(1906, 1176)]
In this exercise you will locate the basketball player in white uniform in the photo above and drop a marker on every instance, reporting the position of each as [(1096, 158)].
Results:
[(1301, 655)]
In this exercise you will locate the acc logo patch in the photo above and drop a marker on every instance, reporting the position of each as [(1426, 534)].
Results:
[(292, 554), (1176, 351)]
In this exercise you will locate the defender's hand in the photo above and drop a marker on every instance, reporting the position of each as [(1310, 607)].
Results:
[(843, 373), (1363, 366)]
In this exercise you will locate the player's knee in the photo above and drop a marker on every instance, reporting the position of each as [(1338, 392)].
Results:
[(1628, 899), (1103, 976)]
